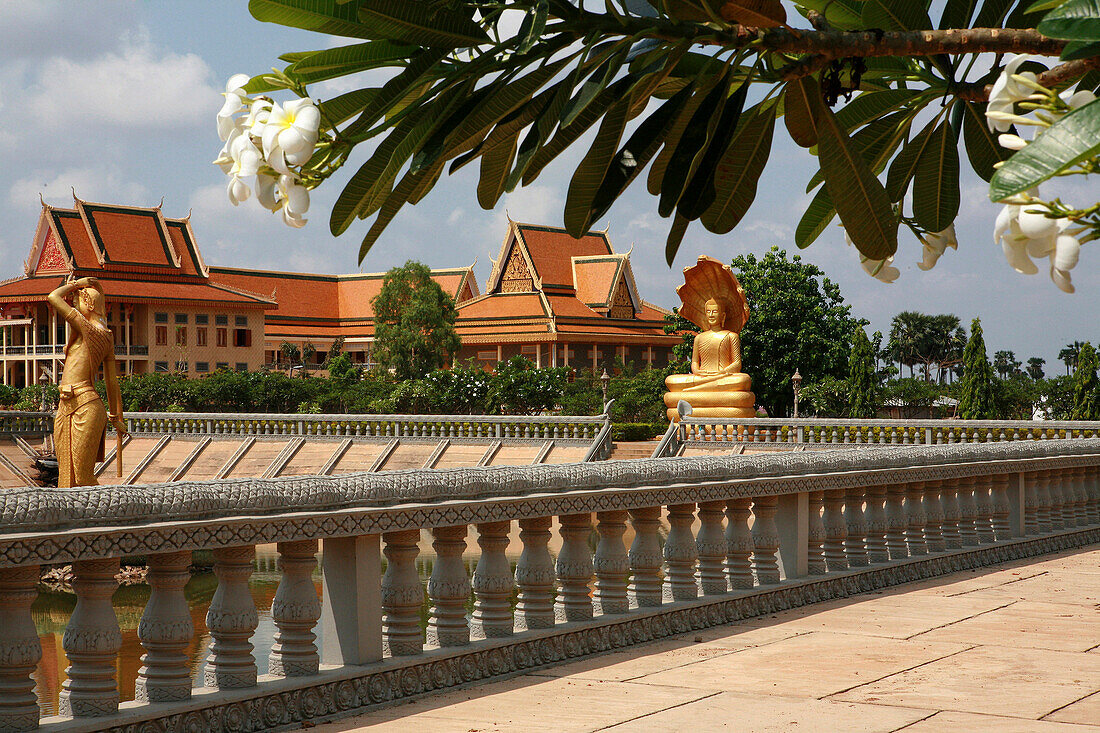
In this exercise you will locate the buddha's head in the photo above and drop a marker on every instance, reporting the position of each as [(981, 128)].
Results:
[(90, 301), (714, 314)]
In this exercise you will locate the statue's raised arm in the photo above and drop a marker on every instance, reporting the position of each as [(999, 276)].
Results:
[(716, 387)]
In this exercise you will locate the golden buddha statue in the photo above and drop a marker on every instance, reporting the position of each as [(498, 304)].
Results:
[(716, 387), (80, 425)]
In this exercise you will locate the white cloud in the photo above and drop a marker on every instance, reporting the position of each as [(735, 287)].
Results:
[(81, 28), (137, 86), (104, 184)]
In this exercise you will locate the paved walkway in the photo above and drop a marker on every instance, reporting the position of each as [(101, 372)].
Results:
[(1007, 649)]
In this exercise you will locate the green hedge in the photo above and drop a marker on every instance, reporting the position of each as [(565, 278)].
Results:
[(631, 431)]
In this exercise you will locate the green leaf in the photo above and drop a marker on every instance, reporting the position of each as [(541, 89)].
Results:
[(346, 106), (860, 199), (895, 15), (595, 84), (1077, 20), (876, 142), (957, 13), (1063, 145), (534, 23), (982, 147), (692, 145), (701, 191), (675, 237), (936, 186), (841, 14), (904, 166), (495, 164), (411, 187), (568, 134), (739, 170), (636, 153), (1075, 50), (393, 92), (421, 23), (992, 13), (814, 220), (800, 97), (871, 106), (672, 138), (321, 16), (1040, 5), (335, 62), (590, 173)]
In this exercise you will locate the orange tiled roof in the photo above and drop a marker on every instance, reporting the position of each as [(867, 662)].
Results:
[(594, 279), (552, 250), (129, 236), (140, 291)]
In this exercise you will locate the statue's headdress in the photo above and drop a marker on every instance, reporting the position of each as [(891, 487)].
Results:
[(709, 279)]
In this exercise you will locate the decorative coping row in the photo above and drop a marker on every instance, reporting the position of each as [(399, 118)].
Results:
[(438, 497), (817, 422)]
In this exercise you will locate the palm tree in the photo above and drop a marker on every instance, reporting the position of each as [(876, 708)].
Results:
[(1035, 367), (1069, 355)]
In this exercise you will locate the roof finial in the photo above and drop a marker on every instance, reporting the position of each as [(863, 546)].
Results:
[(160, 204), (188, 217), (75, 199), (43, 200), (474, 263), (508, 216), (630, 250)]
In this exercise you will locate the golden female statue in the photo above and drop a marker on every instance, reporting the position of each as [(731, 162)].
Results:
[(81, 423), (716, 387)]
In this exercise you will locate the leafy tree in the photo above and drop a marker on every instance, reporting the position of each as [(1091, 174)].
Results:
[(677, 324), (518, 388), (976, 396), (862, 400), (415, 322), (581, 394), (1015, 397), (910, 396), (927, 340), (308, 352), (797, 320), (1035, 367), (827, 397), (1005, 364), (335, 350), (1086, 389), (463, 389), (291, 353), (638, 394), (1057, 397), (1069, 355), (467, 86)]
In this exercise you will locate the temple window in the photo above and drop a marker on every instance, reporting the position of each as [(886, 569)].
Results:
[(181, 336), (162, 335), (201, 319), (160, 366), (181, 319), (160, 318), (200, 336), (221, 320), (242, 337), (222, 335), (202, 366), (241, 320)]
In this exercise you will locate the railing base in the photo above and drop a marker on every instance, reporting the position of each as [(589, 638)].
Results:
[(349, 690)]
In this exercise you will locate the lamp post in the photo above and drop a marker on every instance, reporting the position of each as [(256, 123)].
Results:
[(605, 382), (796, 381)]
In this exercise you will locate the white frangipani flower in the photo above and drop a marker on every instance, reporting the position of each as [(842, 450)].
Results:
[(1077, 99), (879, 269), (1012, 142), (294, 199), (1005, 93), (1025, 234), (266, 191), (290, 133), (234, 99), (246, 161), (934, 245)]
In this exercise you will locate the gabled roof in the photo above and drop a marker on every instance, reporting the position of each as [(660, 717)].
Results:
[(128, 235), (548, 251)]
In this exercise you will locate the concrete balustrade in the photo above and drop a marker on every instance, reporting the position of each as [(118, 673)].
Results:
[(742, 536)]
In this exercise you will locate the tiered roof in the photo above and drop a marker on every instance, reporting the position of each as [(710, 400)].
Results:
[(138, 254), (549, 286)]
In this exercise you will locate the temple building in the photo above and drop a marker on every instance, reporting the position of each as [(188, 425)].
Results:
[(557, 300)]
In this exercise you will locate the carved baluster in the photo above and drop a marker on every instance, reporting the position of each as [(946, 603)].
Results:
[(91, 641), (20, 649), (645, 558), (1002, 527), (896, 522), (765, 540), (492, 583), (1081, 506), (914, 511), (1057, 500), (933, 516), (231, 619), (876, 525), (836, 531), (295, 611), (535, 576), (402, 595), (574, 568), (983, 502), (815, 552), (1092, 488), (165, 631), (855, 525), (611, 564), (710, 547), (448, 589), (680, 555), (1068, 480), (968, 511), (738, 544), (949, 498), (1042, 488)]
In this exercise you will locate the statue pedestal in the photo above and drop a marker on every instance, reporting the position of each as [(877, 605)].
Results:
[(714, 404)]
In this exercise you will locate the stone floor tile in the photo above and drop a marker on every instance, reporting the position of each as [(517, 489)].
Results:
[(1053, 586), (972, 723), (897, 616), (525, 703), (771, 714), (1082, 711), (995, 680), (814, 665), (1057, 626)]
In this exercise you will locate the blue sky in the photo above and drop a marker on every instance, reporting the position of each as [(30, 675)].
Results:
[(117, 99)]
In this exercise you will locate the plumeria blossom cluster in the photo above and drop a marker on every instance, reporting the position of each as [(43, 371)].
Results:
[(1028, 227), (266, 143)]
